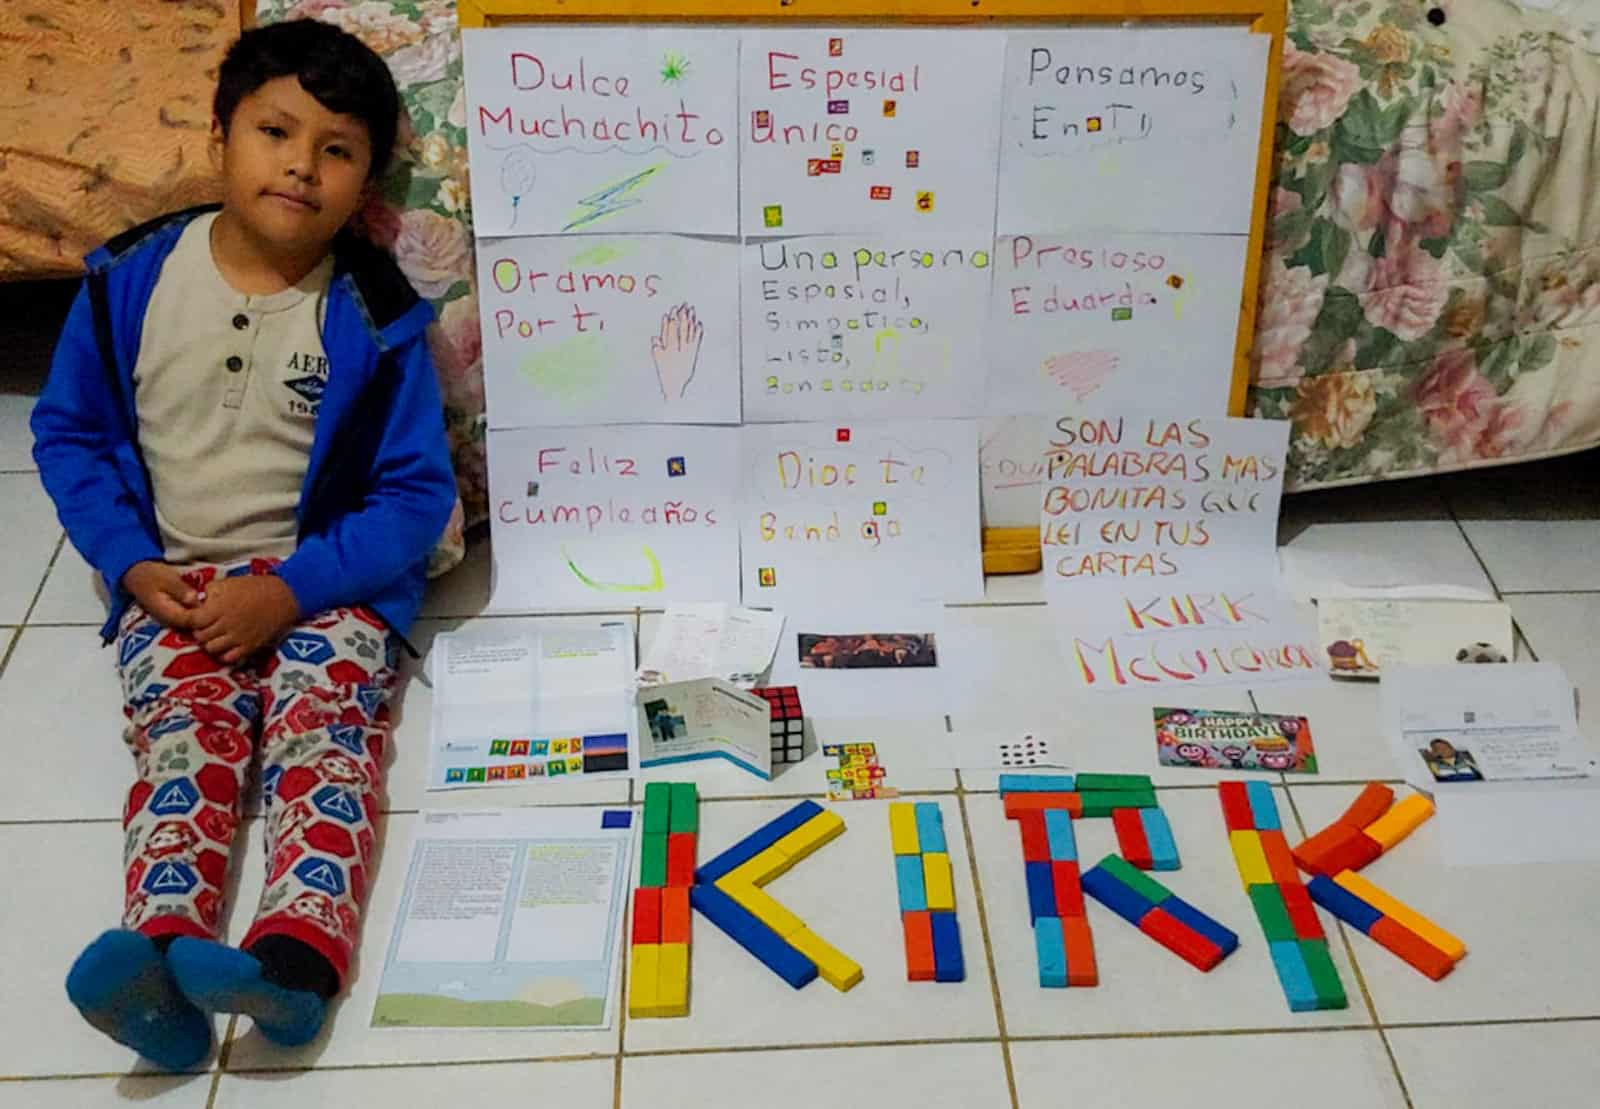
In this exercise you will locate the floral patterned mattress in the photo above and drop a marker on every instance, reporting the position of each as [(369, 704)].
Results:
[(1432, 283)]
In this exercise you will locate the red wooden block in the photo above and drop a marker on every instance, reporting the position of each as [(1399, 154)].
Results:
[(1411, 947), (1236, 812), (647, 914), (1302, 913), (1372, 803), (1131, 840), (1352, 853), (1079, 942), (1029, 802), (1069, 890), (1312, 849), (918, 928), (1180, 939), (1035, 839), (1279, 859), (680, 859), (675, 914)]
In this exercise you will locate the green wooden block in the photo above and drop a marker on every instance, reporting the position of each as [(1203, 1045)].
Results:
[(653, 860), (1135, 879), (657, 808), (1100, 802), (1114, 781), (1271, 912), (1324, 975), (685, 815)]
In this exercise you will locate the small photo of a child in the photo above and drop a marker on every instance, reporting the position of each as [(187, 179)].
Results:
[(1449, 763)]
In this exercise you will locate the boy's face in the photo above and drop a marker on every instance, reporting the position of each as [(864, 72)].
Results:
[(293, 172)]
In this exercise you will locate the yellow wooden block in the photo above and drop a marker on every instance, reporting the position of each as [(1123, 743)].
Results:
[(763, 906), (820, 829), (644, 971), (1252, 860), (672, 981), (763, 868), (1403, 818), (903, 828), (937, 881), (1402, 914), (833, 966)]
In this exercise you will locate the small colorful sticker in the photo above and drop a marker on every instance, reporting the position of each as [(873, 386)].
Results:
[(1120, 314), (832, 165), (838, 107), (842, 435), (575, 745), (772, 215), (880, 508), (763, 118), (575, 766), (838, 342), (913, 159), (869, 530), (536, 770), (475, 773), (533, 489), (500, 747), (558, 746), (675, 466), (497, 774), (836, 150), (519, 748), (516, 772), (767, 577), (455, 774), (541, 747), (869, 157), (880, 192), (889, 107), (813, 167), (1174, 281), (836, 48), (1092, 124), (557, 767), (925, 200)]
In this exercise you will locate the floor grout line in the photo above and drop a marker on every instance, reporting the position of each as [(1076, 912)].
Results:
[(988, 944)]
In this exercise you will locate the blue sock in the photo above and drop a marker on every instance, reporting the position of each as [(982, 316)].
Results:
[(223, 979), (123, 987)]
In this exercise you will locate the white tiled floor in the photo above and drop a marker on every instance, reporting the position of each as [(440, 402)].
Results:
[(1517, 1021)]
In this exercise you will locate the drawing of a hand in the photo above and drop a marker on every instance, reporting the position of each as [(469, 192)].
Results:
[(675, 350)]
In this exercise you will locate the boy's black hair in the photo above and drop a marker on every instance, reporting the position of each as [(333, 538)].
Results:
[(340, 70)]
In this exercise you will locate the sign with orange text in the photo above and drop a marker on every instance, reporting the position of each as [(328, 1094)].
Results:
[(884, 510), (607, 518), (1160, 552)]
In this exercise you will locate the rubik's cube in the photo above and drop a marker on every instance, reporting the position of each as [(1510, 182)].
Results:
[(788, 723)]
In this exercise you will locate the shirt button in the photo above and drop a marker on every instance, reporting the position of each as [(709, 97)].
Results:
[(241, 321), (235, 363)]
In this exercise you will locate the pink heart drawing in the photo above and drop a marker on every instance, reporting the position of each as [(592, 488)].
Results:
[(1082, 371)]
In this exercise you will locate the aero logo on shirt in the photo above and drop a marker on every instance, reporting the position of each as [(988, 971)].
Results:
[(310, 379)]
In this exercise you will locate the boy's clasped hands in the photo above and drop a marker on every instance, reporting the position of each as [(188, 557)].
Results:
[(233, 620)]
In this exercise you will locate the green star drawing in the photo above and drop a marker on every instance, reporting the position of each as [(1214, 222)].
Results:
[(674, 68)]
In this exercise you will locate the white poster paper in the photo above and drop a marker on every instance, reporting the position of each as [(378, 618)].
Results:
[(1160, 565), (613, 517), (601, 129), (509, 919), (864, 326), (855, 130), (1108, 320), (1130, 130), (1011, 460), (886, 511), (711, 641), (603, 329), (1361, 637)]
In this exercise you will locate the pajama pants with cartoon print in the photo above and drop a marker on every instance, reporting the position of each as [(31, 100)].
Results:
[(318, 708)]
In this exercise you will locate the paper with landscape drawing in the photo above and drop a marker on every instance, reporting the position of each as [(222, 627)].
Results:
[(601, 129), (864, 326), (1130, 130), (845, 129), (609, 518), (1160, 563), (1107, 320), (887, 511), (509, 919), (604, 329)]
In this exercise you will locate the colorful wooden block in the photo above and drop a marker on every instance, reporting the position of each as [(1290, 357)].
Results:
[(1115, 895), (763, 906), (1081, 968), (930, 827), (1218, 933), (1178, 938), (1015, 803), (758, 841), (1041, 890), (1251, 860), (1098, 803), (1035, 835), (1302, 914), (918, 931), (1346, 849), (1412, 948), (1342, 903), (1263, 807), (1399, 822), (1049, 943), (741, 926), (646, 915), (1293, 975), (763, 867), (644, 972), (833, 966), (1064, 879), (1236, 812), (1402, 914), (680, 858), (1131, 839), (908, 881), (815, 833), (903, 837), (1136, 880), (1324, 975), (657, 808), (653, 859), (1280, 860), (1271, 912), (684, 812), (1114, 782), (1060, 839), (937, 880), (672, 980), (949, 965), (1372, 802), (1037, 783), (675, 914), (1158, 834)]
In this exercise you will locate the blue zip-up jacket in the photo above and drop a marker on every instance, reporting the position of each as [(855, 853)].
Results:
[(379, 488)]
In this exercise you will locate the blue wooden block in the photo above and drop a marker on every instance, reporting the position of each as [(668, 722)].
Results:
[(1263, 809), (1342, 903), (1110, 891), (746, 930), (616, 818), (1185, 913), (1293, 975), (908, 876), (1063, 844), (1052, 949), (930, 827), (948, 964), (757, 842), (1158, 834), (1037, 783), (1041, 891)]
